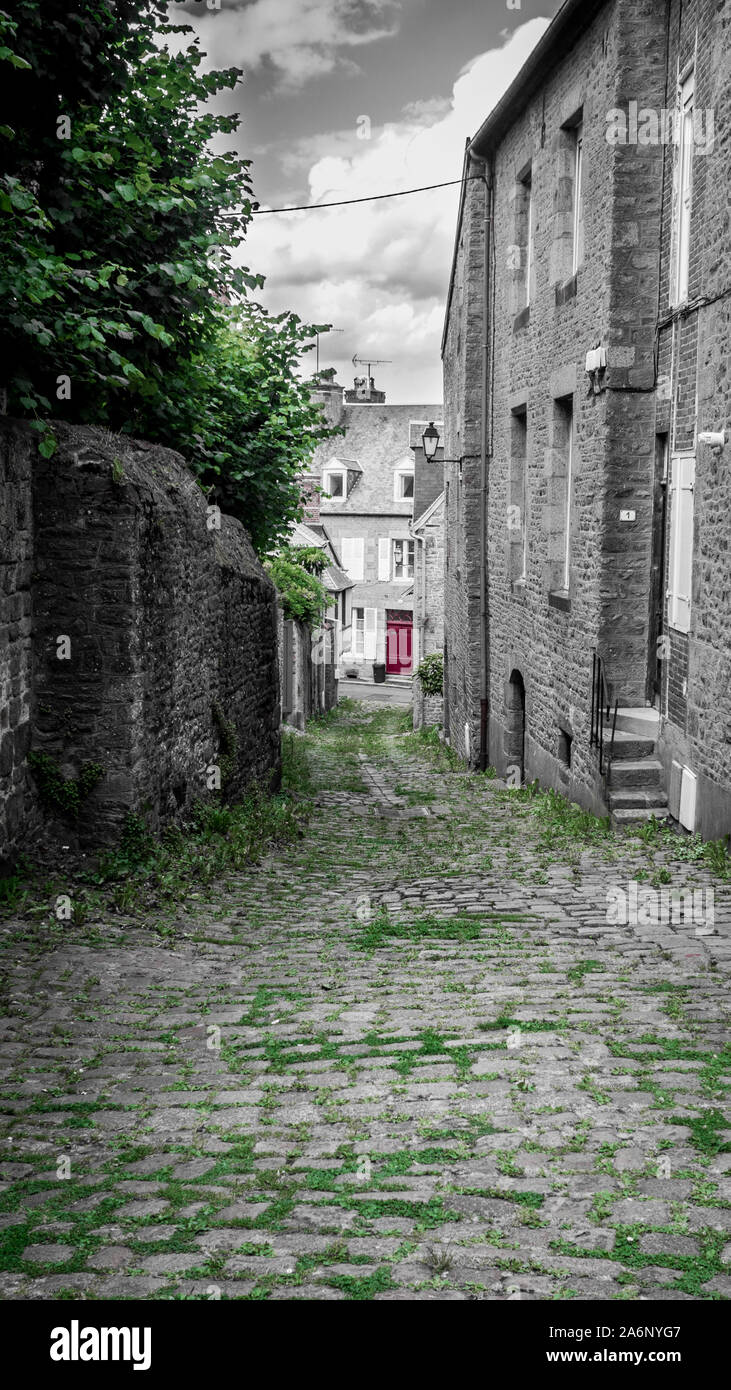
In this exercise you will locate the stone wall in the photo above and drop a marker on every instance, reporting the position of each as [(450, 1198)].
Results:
[(463, 428), (154, 634), (694, 353), (307, 670), (16, 564), (428, 608)]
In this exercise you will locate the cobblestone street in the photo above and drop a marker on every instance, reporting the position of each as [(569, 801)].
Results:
[(408, 1056)]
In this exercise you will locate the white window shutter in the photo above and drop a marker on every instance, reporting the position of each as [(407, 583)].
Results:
[(370, 634), (352, 551), (384, 557), (681, 541)]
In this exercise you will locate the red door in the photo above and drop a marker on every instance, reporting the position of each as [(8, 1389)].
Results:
[(398, 644)]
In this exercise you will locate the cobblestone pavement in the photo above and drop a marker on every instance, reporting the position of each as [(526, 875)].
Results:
[(405, 1057)]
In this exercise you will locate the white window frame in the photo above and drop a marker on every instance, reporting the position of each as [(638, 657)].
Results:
[(577, 249), (680, 560), (410, 544), (336, 473), (398, 493), (683, 193)]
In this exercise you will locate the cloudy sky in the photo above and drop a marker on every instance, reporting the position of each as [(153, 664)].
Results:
[(345, 98)]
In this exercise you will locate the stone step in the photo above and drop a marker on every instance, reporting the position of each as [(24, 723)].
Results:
[(642, 719), (635, 772), (637, 798), (627, 745), (635, 817)]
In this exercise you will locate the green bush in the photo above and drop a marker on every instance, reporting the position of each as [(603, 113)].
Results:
[(430, 674), (303, 596)]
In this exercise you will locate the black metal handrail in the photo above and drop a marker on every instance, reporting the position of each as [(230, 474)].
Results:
[(601, 706)]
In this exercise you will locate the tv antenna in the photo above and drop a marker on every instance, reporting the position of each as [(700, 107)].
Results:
[(317, 337), (369, 362)]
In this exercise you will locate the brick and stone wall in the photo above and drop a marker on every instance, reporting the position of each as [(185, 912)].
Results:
[(153, 642)]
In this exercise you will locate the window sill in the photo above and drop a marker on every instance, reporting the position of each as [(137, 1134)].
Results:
[(522, 319), (559, 598), (520, 587)]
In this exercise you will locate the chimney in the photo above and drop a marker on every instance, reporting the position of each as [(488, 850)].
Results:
[(364, 392), (325, 390)]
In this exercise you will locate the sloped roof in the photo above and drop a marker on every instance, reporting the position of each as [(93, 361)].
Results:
[(304, 535), (377, 436), (335, 579), (429, 513)]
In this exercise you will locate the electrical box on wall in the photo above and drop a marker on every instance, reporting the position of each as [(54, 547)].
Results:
[(676, 777), (688, 788)]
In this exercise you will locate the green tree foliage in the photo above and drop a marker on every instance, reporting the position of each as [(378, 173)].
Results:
[(123, 302), (302, 594)]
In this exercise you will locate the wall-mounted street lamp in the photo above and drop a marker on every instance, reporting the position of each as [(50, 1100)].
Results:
[(430, 441)]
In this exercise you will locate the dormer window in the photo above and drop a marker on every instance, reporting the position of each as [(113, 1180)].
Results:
[(334, 483), (403, 478), (404, 485)]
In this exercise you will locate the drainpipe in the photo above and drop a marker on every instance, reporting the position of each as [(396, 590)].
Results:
[(485, 448)]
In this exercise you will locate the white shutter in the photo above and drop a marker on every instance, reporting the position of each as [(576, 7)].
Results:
[(352, 551), (681, 541), (370, 634), (384, 557)]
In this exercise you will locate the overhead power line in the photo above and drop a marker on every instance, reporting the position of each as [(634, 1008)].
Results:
[(344, 202)]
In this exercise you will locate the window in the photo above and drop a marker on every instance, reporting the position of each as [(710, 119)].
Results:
[(564, 431), (683, 191), (406, 484), (352, 550), (517, 519), (578, 218), (403, 559), (681, 541), (335, 484), (359, 632), (528, 187)]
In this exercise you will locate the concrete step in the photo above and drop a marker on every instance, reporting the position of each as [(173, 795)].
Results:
[(637, 798), (627, 745), (635, 817), (634, 773), (641, 719)]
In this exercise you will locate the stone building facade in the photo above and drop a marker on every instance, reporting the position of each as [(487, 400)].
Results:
[(142, 641), (581, 370), (367, 477)]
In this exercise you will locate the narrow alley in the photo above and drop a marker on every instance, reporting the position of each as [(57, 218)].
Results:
[(412, 1054)]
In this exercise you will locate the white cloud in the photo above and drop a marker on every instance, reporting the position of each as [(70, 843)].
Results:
[(380, 270), (303, 39)]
